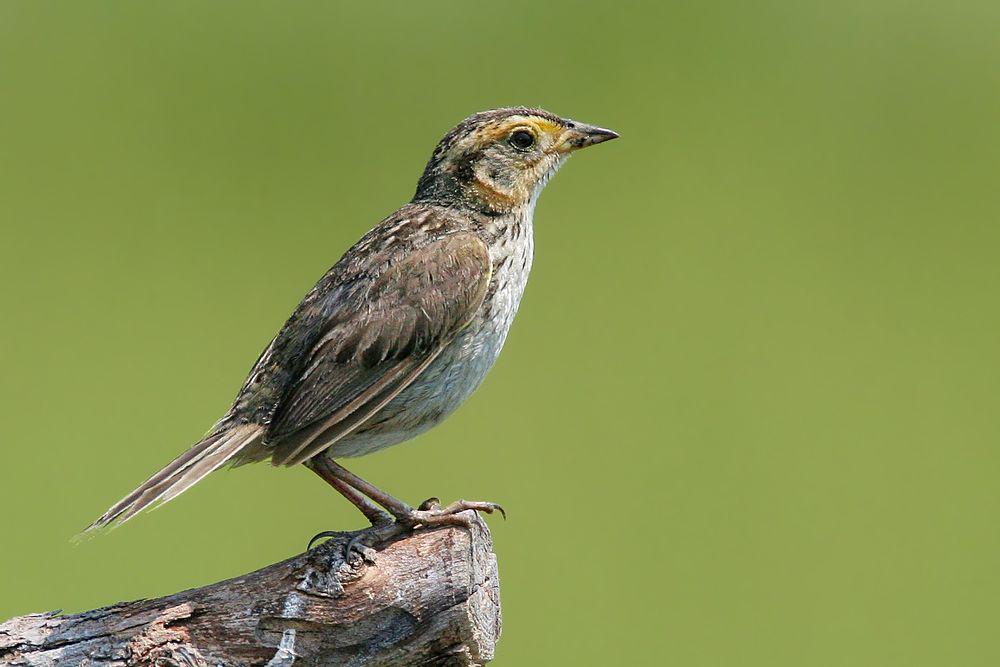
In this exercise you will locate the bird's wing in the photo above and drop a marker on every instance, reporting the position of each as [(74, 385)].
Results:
[(377, 341)]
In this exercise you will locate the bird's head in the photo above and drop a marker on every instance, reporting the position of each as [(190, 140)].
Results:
[(498, 161)]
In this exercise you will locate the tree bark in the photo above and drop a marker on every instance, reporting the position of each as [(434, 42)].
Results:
[(431, 597)]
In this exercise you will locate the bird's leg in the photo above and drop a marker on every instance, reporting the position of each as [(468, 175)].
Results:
[(430, 512), (383, 525), (400, 510), (320, 465)]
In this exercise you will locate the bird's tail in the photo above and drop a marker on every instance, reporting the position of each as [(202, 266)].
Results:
[(181, 473)]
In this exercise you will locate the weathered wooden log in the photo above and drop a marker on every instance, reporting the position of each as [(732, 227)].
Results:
[(431, 597)]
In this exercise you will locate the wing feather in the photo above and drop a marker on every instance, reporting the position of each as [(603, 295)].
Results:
[(377, 345)]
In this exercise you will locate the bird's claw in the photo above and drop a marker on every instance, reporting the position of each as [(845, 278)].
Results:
[(430, 504), (355, 546), (350, 549), (430, 512), (320, 536)]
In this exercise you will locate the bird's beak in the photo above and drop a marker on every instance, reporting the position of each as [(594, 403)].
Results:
[(581, 135)]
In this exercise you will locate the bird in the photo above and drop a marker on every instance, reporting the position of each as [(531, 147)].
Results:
[(401, 330)]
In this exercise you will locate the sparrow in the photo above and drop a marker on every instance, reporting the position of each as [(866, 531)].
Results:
[(401, 330)]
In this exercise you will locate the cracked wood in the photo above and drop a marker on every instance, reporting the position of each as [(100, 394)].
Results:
[(429, 598)]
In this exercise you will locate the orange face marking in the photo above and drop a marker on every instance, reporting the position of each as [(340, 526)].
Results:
[(491, 194), (499, 131), (503, 180)]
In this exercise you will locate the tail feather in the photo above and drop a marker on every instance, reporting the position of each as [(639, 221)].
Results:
[(181, 473)]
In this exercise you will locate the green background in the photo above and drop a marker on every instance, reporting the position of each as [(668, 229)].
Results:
[(748, 414)]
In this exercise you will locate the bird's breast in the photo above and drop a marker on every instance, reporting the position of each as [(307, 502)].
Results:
[(463, 363)]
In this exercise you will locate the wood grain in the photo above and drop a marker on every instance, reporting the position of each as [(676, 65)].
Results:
[(431, 597)]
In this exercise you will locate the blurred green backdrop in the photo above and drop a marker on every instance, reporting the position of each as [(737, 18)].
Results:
[(748, 414)]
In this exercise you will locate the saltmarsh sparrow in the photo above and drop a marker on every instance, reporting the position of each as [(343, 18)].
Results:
[(402, 329)]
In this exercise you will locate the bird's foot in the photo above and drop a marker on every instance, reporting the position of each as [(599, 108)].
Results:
[(430, 513), (381, 531), (372, 537)]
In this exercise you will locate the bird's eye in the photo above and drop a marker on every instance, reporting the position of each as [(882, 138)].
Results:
[(522, 140)]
